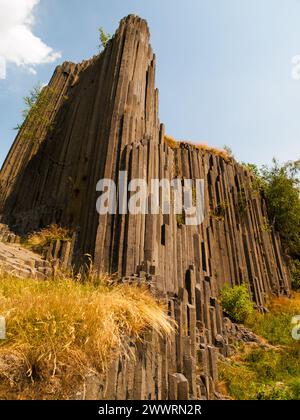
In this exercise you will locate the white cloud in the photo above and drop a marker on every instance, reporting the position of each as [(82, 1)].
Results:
[(18, 44), (2, 68)]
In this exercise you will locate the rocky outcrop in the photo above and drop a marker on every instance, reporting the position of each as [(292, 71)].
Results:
[(20, 259), (20, 262), (182, 367), (104, 118)]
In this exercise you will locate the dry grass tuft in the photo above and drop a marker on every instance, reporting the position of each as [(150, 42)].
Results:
[(285, 304), (59, 331), (174, 144), (37, 241)]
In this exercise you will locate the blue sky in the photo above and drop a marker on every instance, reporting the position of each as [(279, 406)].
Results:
[(223, 67)]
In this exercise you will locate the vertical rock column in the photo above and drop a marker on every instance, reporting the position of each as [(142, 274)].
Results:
[(34, 130)]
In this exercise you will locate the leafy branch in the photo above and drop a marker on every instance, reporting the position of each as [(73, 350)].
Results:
[(36, 113), (104, 39)]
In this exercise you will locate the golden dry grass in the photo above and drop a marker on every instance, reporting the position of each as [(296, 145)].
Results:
[(172, 142), (175, 144), (285, 304), (59, 331), (37, 241)]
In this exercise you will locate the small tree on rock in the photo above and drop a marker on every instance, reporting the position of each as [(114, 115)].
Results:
[(104, 39)]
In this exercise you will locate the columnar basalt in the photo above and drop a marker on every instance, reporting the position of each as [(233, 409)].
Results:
[(104, 119)]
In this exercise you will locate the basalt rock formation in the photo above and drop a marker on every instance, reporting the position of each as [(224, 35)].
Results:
[(101, 117)]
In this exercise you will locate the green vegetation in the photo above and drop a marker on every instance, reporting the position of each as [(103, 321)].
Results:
[(242, 203), (36, 112), (251, 167), (295, 272), (265, 226), (104, 38), (31, 100), (280, 185), (263, 375), (180, 219), (229, 151), (220, 211), (275, 326), (236, 303), (282, 193), (273, 372), (61, 330)]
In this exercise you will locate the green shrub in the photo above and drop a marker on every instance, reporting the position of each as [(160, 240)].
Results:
[(274, 392), (36, 115), (104, 39), (274, 364), (276, 329), (242, 203), (280, 186), (295, 388), (220, 211), (281, 190), (275, 326), (266, 373), (295, 272), (237, 303), (239, 380), (180, 220), (263, 374)]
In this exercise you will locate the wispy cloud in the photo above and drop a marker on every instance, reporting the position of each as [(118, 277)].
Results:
[(18, 44)]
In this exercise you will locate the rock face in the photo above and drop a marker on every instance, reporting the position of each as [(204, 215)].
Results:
[(23, 263), (102, 117)]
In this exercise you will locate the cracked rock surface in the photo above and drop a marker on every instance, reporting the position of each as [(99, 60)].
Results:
[(22, 262)]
